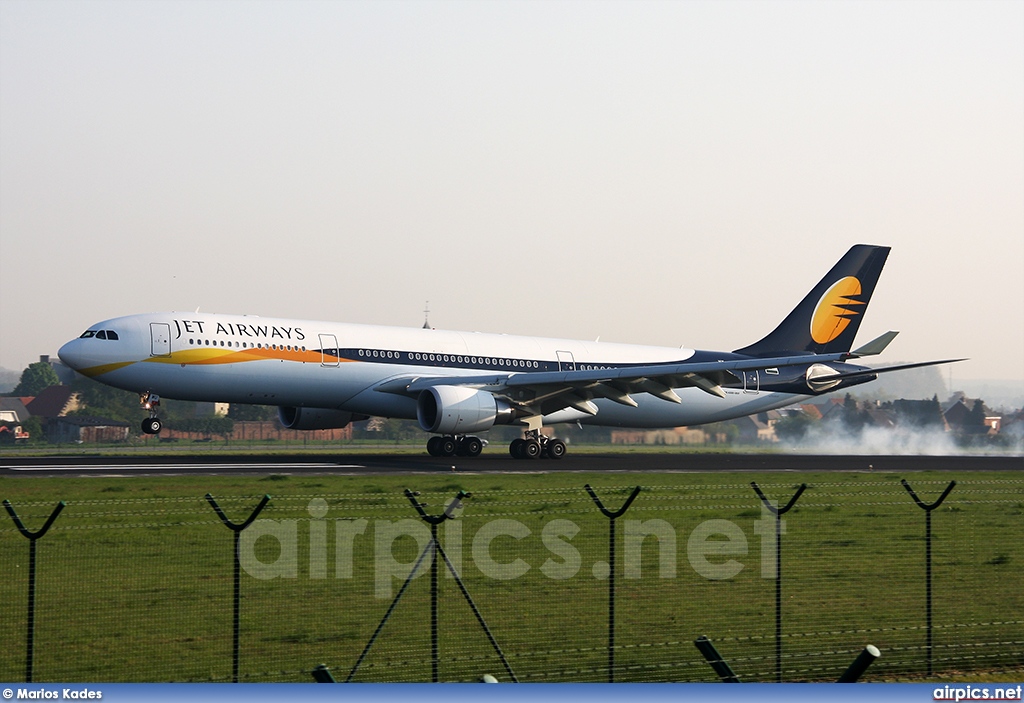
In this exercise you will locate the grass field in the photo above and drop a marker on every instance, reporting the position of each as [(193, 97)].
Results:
[(135, 577)]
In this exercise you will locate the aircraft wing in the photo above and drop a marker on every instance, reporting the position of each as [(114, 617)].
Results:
[(547, 392)]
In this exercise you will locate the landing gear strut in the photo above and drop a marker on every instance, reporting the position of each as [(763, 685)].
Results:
[(534, 445), (455, 445), (150, 402)]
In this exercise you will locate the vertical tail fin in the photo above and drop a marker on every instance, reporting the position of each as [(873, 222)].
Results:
[(827, 319)]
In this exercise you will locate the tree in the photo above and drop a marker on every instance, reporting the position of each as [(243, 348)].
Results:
[(792, 428), (975, 423), (34, 427), (251, 413), (853, 417), (35, 379)]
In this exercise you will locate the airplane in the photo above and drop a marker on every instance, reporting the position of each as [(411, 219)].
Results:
[(324, 375)]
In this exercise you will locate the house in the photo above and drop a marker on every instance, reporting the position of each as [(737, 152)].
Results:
[(55, 401), (674, 435), (1012, 426), (757, 428), (13, 410), (957, 411), (832, 409), (811, 410), (880, 417), (81, 429)]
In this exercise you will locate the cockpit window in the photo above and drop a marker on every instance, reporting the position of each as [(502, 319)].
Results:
[(100, 334)]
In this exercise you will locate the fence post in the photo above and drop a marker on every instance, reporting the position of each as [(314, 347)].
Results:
[(33, 537), (720, 666), (778, 512), (322, 674), (865, 659), (928, 559), (435, 548), (612, 516), (237, 529)]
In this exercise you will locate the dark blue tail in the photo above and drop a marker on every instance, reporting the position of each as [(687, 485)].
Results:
[(827, 319)]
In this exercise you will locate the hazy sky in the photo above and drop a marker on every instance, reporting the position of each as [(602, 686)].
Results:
[(661, 173)]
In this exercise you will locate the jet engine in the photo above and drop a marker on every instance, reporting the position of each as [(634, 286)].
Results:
[(315, 418), (458, 410), (819, 378)]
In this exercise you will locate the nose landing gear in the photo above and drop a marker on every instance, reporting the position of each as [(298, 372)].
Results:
[(151, 401)]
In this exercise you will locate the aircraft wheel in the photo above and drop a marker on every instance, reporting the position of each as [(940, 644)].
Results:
[(152, 425), (433, 446), (447, 446), (531, 449), (555, 449), (470, 446), (516, 448)]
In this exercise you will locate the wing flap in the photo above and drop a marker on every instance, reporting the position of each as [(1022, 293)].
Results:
[(549, 391)]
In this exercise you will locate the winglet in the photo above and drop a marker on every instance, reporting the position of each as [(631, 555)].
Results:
[(875, 346)]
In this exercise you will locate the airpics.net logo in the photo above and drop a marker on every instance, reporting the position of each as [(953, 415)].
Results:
[(978, 693), (715, 549)]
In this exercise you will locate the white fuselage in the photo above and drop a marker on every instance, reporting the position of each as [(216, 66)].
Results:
[(301, 363)]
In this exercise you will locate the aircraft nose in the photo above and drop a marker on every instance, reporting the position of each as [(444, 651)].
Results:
[(71, 354)]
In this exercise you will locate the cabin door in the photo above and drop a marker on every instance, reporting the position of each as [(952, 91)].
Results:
[(566, 362), (328, 350), (751, 382), (160, 337)]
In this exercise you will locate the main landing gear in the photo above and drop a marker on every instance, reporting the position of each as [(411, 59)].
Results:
[(455, 445), (150, 402), (536, 446)]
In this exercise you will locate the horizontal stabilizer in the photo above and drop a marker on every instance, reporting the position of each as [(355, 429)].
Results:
[(875, 346)]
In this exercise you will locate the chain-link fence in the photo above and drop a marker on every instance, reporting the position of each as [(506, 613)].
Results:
[(549, 586)]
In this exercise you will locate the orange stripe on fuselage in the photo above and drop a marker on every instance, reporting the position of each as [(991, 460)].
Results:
[(94, 371), (206, 356)]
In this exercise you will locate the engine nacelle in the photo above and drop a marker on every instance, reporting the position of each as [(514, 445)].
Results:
[(458, 410), (314, 418), (819, 378)]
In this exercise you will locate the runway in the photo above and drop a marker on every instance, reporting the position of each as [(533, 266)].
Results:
[(370, 464)]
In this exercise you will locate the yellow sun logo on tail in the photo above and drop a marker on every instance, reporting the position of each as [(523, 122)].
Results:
[(835, 310)]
